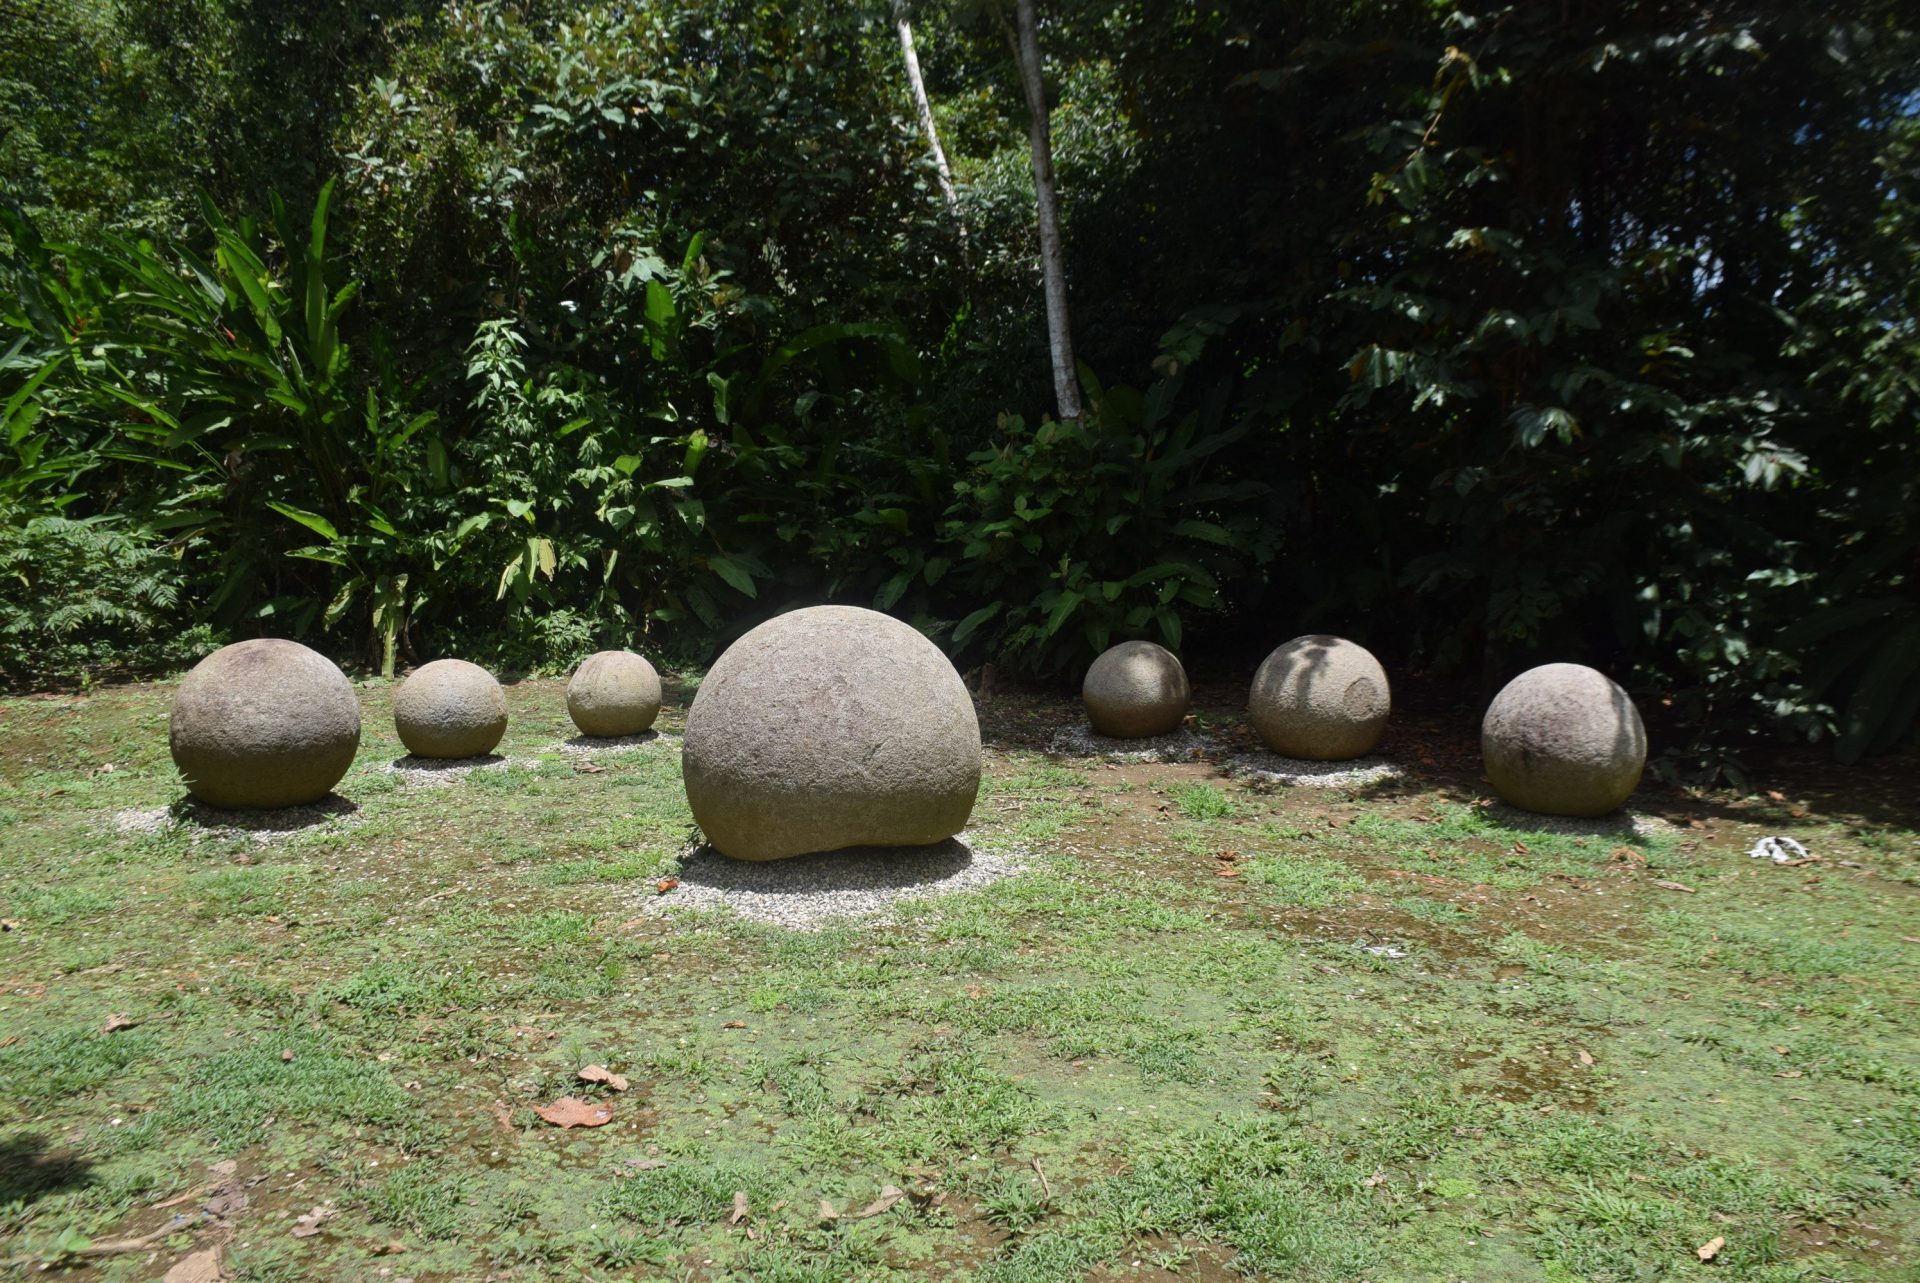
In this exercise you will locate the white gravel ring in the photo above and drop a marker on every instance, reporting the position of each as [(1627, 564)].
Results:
[(808, 892), (1618, 824), (1271, 768), (588, 745), (204, 822), (1175, 746), (442, 770)]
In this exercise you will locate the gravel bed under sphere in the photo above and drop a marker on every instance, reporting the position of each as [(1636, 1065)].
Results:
[(1619, 825), (205, 822), (1175, 746), (587, 744), (1271, 768), (807, 892), (443, 770)]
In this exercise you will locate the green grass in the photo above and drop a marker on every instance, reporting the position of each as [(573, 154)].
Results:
[(1573, 1075)]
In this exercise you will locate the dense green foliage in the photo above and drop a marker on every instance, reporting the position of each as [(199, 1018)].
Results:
[(1485, 334)]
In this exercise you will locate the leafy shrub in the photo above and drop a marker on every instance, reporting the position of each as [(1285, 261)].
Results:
[(85, 598)]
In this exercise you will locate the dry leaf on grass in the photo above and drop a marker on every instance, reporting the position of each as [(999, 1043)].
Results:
[(826, 1211), (734, 1024), (601, 1074), (739, 1212), (309, 1225), (665, 885), (1710, 1249), (1665, 885), (117, 1021), (1227, 871), (393, 1248), (889, 1195), (197, 1267), (1586, 1057), (569, 1112)]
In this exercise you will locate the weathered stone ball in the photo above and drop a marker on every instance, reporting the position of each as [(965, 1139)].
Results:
[(264, 724), (1135, 689), (614, 692), (450, 708), (1320, 699), (1563, 739), (826, 728)]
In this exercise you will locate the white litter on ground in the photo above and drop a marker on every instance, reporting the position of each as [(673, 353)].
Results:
[(1175, 746), (808, 892), (1271, 768), (1781, 850)]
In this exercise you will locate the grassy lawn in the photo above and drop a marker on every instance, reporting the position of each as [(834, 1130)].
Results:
[(1394, 1036)]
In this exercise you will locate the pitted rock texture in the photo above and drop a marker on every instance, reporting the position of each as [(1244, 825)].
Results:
[(1135, 689), (1563, 739), (264, 724), (1320, 699), (826, 728), (613, 693), (450, 708)]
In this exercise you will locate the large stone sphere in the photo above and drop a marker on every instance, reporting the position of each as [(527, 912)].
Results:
[(264, 724), (1563, 739), (614, 692), (1320, 699), (1135, 689), (826, 728), (450, 708)]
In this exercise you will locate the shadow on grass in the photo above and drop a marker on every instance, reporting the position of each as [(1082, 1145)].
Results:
[(29, 1171)]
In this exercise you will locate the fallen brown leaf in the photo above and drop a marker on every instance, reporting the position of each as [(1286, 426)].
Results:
[(1520, 848), (197, 1267), (1227, 871), (826, 1211), (1664, 885), (10, 924), (287, 1055), (1377, 1179), (1227, 857), (589, 768), (601, 1074), (1710, 1249), (393, 1248), (1778, 1050), (734, 1024), (740, 1208), (889, 1195), (117, 1021), (309, 1225), (665, 885), (1776, 796), (568, 1112), (1586, 1057), (1791, 1073)]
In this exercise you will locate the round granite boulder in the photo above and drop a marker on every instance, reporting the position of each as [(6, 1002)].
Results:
[(1135, 689), (1563, 739), (826, 728), (1320, 699), (264, 724), (450, 708), (612, 693)]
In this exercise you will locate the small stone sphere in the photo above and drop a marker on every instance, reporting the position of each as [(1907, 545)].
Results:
[(1320, 699), (1135, 689), (614, 692), (264, 724), (450, 708), (1563, 739), (826, 728)]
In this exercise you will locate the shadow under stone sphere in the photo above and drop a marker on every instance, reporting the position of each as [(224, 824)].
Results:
[(1320, 698), (1563, 739), (613, 693), (264, 724), (827, 728), (450, 708), (1135, 689)]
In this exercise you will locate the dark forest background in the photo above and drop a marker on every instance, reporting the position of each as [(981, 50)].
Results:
[(1485, 335)]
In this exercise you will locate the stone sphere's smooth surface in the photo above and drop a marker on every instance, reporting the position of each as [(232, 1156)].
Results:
[(614, 692), (1321, 699), (450, 708), (1135, 689), (826, 728), (1563, 739), (264, 724)]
